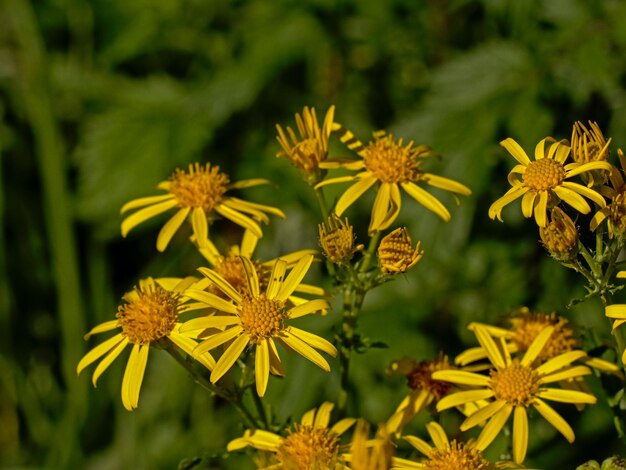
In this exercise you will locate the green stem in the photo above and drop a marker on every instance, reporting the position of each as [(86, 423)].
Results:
[(249, 420), (369, 253), (321, 200), (258, 403)]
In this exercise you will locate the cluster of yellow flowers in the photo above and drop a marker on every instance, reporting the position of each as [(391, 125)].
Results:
[(240, 310)]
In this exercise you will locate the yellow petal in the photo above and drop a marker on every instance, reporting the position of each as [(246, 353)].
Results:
[(495, 210), (211, 300), (145, 201), (126, 380), (573, 199), (461, 377), (585, 191), (528, 203), (493, 428), (99, 351), (554, 419), (566, 374), (461, 398), (470, 355), (229, 357), (520, 434), (248, 183), (438, 436), (353, 193), (540, 209), (144, 214), (426, 199), (313, 340), (447, 184), (490, 347), (294, 278), (139, 369), (306, 351), (536, 346), (560, 361), (276, 278), (322, 417), (342, 425), (252, 280), (308, 307), (419, 444), (170, 228), (516, 151), (239, 219), (221, 283), (209, 321), (217, 340), (188, 345), (261, 367), (200, 226), (617, 311), (566, 396), (482, 415), (102, 327), (108, 360)]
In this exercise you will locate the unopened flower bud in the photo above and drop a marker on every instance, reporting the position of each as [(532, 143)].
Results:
[(560, 236), (337, 240), (396, 253)]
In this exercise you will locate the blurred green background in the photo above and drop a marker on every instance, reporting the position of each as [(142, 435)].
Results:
[(100, 100)]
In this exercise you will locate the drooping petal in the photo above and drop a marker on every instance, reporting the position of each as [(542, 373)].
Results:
[(229, 357), (482, 415), (520, 434), (262, 366), (209, 321), (541, 208), (585, 191), (99, 351), (427, 200), (253, 207), (560, 361), (554, 419), (200, 226), (145, 201), (139, 369), (353, 193), (490, 347), (515, 150), (573, 199), (144, 214), (495, 210), (382, 210), (239, 219), (188, 345), (248, 183), (447, 184), (108, 360), (313, 340), (101, 328), (170, 228), (419, 444), (252, 279), (306, 351), (528, 203), (566, 374), (493, 428)]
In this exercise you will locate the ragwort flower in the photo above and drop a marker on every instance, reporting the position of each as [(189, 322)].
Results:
[(258, 318), (370, 454), (311, 148), (311, 444), (445, 455), (560, 236), (199, 192), (513, 386), (589, 145), (544, 182), (396, 253), (337, 240), (388, 165), (148, 316)]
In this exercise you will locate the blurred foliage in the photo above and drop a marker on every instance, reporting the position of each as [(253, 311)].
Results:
[(100, 100)]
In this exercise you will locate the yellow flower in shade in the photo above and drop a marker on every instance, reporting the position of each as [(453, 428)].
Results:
[(543, 181), (148, 316), (524, 327), (615, 212), (309, 445), (337, 240), (560, 236), (230, 267), (388, 165), (396, 253), (370, 454), (199, 192), (513, 386), (445, 455), (258, 318), (617, 312), (311, 147), (589, 145)]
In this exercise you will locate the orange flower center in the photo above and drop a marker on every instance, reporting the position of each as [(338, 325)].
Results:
[(200, 187), (308, 448), (456, 457), (515, 384), (262, 317), (390, 162), (149, 314), (527, 327), (544, 174)]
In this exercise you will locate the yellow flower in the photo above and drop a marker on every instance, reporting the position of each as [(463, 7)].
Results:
[(370, 454), (543, 181), (389, 166), (589, 145), (309, 445), (396, 253), (424, 389), (512, 386), (230, 267), (148, 316), (615, 212), (311, 148), (198, 192), (560, 236), (258, 318), (337, 241), (525, 326), (445, 455), (617, 312)]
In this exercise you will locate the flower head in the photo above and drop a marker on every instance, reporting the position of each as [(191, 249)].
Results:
[(544, 181), (615, 212), (308, 445), (589, 145), (560, 236), (512, 387), (337, 240), (148, 316), (446, 454), (199, 193), (370, 454), (396, 253), (307, 151), (424, 389), (259, 318), (389, 165)]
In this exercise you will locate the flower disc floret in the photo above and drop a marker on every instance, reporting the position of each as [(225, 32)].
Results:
[(390, 162), (515, 384), (150, 315), (307, 447), (544, 174), (199, 187), (458, 456), (262, 317)]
